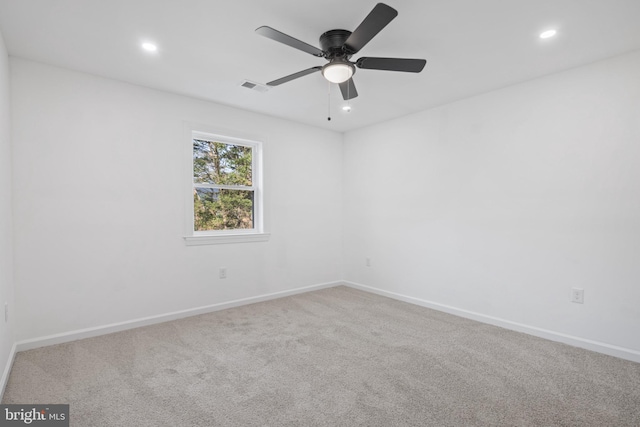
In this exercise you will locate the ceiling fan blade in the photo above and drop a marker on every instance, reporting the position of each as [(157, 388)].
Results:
[(294, 76), (377, 19), (348, 90), (392, 64), (276, 35)]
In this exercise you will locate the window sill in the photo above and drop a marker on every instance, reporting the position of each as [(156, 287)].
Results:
[(226, 238)]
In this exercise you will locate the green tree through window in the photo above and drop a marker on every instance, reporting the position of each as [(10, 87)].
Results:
[(223, 191)]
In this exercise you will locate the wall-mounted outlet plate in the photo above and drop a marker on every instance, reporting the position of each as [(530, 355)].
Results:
[(577, 295)]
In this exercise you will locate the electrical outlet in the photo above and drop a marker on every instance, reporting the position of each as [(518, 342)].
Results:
[(223, 273), (577, 295), (367, 262)]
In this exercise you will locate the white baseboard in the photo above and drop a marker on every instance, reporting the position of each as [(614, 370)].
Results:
[(131, 324), (7, 370), (611, 350)]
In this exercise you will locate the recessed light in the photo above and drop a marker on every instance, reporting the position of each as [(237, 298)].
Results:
[(548, 34), (149, 47), (346, 108)]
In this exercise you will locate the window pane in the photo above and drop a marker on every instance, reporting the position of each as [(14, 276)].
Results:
[(221, 163), (221, 209)]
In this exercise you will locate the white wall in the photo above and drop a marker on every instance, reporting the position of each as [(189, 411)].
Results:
[(495, 205), (99, 204), (498, 205), (6, 239)]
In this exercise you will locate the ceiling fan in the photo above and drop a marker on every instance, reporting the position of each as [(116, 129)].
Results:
[(339, 45)]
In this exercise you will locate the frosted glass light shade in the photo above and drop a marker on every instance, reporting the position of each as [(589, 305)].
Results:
[(337, 72)]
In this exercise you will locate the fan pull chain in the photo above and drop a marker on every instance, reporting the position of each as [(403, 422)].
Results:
[(329, 101)]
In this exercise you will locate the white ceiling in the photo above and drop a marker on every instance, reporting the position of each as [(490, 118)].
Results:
[(207, 47)]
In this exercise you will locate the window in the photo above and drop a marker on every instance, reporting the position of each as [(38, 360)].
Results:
[(226, 193)]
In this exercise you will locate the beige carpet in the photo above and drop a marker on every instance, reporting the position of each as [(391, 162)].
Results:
[(335, 357)]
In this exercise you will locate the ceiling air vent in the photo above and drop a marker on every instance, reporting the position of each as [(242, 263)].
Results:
[(254, 86)]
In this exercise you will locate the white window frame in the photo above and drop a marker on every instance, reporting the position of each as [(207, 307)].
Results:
[(213, 237)]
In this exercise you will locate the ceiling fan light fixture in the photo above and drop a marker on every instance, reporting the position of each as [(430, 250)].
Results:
[(338, 71)]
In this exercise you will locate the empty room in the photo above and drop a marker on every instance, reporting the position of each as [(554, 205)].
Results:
[(296, 213)]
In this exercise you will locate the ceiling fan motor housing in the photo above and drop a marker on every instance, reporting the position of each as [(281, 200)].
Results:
[(332, 43)]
